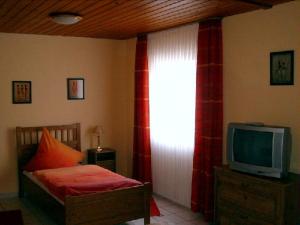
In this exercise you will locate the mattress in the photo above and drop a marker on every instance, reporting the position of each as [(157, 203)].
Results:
[(36, 181), (79, 180)]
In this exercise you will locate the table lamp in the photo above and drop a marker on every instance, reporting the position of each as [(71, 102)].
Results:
[(97, 132)]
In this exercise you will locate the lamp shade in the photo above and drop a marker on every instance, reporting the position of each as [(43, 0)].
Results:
[(98, 130), (65, 18)]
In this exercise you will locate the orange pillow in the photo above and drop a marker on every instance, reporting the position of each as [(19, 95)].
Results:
[(53, 154)]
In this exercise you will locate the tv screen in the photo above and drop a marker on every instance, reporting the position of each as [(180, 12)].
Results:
[(259, 149), (253, 147)]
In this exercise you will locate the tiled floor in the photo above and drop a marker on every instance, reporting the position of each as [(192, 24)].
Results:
[(172, 214)]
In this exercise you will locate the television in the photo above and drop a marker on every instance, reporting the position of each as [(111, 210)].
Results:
[(259, 149)]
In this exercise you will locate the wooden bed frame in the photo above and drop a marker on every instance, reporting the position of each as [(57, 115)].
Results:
[(102, 208)]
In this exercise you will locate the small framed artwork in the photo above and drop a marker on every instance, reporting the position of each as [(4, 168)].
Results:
[(75, 87), (282, 68), (21, 92)]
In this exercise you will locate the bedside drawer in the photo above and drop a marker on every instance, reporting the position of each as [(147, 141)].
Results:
[(105, 158), (107, 164)]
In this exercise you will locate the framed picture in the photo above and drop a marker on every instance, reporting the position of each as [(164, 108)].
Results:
[(282, 68), (75, 88), (21, 92)]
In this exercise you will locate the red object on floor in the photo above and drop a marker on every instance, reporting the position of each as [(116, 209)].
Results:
[(154, 210), (11, 217)]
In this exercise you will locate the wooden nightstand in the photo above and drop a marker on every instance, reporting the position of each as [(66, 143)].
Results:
[(105, 158)]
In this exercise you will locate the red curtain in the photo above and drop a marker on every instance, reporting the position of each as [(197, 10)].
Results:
[(209, 116), (141, 145)]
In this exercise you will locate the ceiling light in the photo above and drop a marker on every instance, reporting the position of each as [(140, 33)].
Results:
[(65, 18)]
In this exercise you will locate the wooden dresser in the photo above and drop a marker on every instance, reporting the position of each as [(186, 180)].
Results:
[(242, 199)]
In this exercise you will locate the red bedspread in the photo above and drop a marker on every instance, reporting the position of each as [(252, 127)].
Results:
[(79, 180)]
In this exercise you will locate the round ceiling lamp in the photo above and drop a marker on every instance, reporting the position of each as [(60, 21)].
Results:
[(65, 18)]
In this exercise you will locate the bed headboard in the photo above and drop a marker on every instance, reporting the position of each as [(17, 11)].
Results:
[(28, 139)]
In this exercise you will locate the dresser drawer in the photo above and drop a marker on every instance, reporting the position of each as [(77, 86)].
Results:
[(255, 199), (258, 204), (242, 199), (254, 185), (239, 219)]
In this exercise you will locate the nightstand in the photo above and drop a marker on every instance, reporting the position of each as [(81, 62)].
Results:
[(105, 158)]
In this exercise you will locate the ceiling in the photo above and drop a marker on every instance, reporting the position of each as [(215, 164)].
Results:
[(116, 19)]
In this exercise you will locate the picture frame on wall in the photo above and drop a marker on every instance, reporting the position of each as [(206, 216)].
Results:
[(282, 68), (21, 92), (75, 88)]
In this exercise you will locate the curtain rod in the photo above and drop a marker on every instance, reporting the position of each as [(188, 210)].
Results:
[(258, 3), (211, 18), (196, 21)]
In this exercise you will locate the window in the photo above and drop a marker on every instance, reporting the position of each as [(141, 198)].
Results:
[(172, 56)]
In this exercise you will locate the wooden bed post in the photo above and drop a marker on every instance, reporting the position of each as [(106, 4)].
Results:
[(147, 199), (18, 136), (78, 137)]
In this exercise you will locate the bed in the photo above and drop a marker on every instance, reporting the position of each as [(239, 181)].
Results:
[(101, 208)]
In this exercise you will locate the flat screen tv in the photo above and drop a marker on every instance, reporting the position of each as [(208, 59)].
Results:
[(259, 149)]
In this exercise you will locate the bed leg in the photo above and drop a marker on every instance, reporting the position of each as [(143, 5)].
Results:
[(21, 193), (147, 197), (146, 221), (21, 189)]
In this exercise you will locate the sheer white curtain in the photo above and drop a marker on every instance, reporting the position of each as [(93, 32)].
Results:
[(172, 56)]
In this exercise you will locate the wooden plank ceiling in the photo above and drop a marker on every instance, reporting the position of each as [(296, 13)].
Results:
[(116, 19)]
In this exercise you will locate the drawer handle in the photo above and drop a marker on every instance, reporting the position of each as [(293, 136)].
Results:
[(243, 217), (244, 185)]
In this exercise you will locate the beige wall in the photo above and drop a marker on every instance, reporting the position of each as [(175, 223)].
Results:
[(123, 105), (47, 61), (248, 40)]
